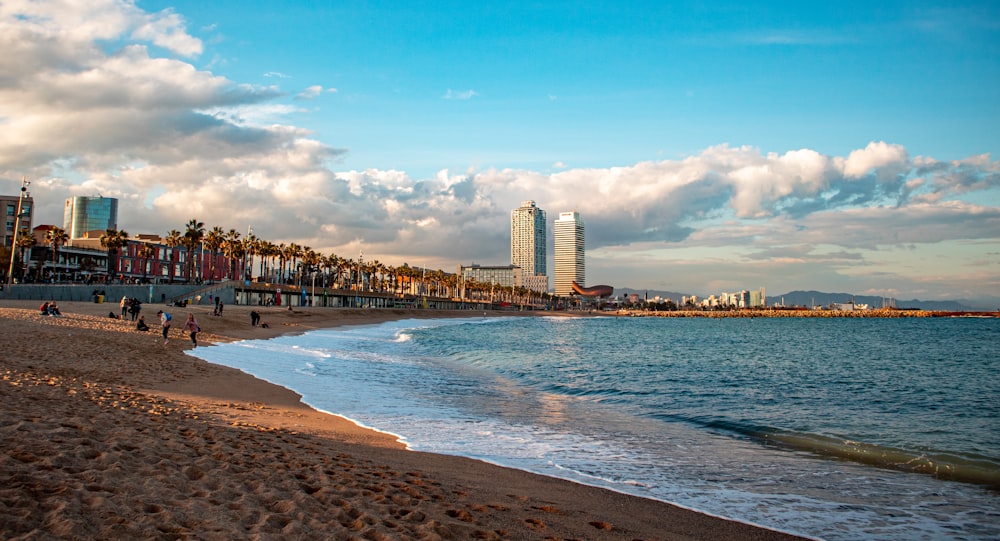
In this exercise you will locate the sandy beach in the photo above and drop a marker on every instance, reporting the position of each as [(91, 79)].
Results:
[(107, 433)]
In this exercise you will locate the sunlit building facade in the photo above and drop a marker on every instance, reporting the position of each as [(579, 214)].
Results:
[(528, 238), (569, 252), (8, 204)]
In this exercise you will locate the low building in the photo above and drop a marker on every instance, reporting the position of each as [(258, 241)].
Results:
[(503, 276)]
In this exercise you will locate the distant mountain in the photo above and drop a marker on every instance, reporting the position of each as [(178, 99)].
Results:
[(819, 298)]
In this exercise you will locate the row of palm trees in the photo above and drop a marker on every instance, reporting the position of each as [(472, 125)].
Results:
[(301, 265)]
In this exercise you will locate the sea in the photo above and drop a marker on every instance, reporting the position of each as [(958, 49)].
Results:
[(836, 429)]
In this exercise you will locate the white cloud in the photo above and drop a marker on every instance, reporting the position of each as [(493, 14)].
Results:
[(459, 95), (310, 92), (877, 155), (166, 29)]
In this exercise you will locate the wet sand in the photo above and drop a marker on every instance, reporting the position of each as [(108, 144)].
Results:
[(107, 433)]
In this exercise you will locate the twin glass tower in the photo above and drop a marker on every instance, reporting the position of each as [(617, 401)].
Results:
[(85, 214), (528, 239)]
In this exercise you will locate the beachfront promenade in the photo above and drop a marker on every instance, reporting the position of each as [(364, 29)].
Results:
[(231, 292)]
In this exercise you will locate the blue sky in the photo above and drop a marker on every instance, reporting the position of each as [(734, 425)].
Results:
[(708, 146), (596, 84)]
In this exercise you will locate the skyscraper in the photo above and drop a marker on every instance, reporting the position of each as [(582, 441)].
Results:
[(569, 248), (83, 214), (528, 238)]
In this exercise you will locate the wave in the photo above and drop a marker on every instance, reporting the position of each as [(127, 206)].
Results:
[(940, 464)]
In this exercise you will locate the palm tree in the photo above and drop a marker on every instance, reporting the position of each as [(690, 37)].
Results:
[(213, 241), (268, 251), (344, 267), (450, 282), (193, 235), (310, 262), (56, 237), (281, 251), (113, 240), (25, 240), (294, 253), (172, 241), (329, 262), (233, 250), (250, 244)]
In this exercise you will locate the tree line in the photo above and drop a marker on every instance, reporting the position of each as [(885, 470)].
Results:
[(296, 264)]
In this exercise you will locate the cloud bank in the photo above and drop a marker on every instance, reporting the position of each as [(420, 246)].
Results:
[(105, 99)]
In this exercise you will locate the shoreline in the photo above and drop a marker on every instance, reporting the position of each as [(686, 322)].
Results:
[(109, 433)]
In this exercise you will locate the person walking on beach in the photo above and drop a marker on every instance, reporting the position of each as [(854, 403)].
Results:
[(124, 305), (254, 318), (192, 328), (134, 307), (165, 323)]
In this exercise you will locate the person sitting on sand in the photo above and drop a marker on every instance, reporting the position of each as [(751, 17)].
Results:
[(53, 309), (141, 325), (191, 326), (44, 308)]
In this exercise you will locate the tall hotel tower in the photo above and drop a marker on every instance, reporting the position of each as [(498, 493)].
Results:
[(570, 265), (83, 214), (528, 239)]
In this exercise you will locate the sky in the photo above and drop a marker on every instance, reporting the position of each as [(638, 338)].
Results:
[(708, 146)]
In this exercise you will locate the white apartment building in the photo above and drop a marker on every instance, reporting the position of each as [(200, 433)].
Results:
[(569, 252), (528, 239)]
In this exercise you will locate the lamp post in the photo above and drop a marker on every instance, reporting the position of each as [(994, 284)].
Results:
[(357, 278), (248, 257), (17, 228)]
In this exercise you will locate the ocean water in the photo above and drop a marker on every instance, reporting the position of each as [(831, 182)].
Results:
[(829, 428)]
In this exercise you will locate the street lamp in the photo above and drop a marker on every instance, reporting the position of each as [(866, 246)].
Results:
[(357, 279), (17, 228), (246, 269), (313, 292)]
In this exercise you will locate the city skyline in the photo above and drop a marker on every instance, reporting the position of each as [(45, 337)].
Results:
[(842, 147)]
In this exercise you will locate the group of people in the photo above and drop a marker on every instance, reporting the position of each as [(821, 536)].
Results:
[(218, 307), (190, 326), (49, 309), (130, 306)]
